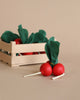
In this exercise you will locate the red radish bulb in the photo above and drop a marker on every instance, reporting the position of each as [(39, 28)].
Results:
[(46, 69), (58, 69), (18, 41), (28, 53)]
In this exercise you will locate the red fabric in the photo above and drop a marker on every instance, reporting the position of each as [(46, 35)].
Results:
[(18, 41), (46, 69), (28, 53), (58, 69)]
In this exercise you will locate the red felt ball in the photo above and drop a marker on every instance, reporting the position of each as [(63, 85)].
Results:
[(46, 69), (58, 69), (18, 41), (28, 53)]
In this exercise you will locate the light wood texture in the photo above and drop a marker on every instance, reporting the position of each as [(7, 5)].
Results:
[(30, 59), (5, 58), (19, 48), (13, 54), (5, 46), (14, 60)]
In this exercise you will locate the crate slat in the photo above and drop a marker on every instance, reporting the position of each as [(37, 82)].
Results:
[(30, 59), (35, 47), (5, 46)]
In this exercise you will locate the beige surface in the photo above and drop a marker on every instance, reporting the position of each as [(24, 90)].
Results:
[(60, 18), (14, 87)]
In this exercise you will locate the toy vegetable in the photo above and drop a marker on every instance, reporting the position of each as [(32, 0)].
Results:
[(23, 34), (52, 51), (58, 69), (45, 70)]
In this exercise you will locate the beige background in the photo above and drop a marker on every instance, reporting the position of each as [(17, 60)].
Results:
[(60, 18)]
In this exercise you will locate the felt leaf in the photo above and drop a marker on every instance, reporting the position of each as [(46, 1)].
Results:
[(45, 39), (9, 36), (31, 38), (40, 37), (52, 50), (47, 50), (42, 32), (23, 34), (52, 39)]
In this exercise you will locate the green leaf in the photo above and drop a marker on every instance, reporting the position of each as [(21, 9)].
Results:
[(42, 32), (31, 38), (23, 34), (9, 36), (52, 50)]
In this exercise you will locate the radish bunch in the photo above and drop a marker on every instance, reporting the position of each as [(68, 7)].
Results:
[(47, 70), (52, 66)]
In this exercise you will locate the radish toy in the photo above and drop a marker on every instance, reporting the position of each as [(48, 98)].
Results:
[(58, 69), (51, 66), (45, 70)]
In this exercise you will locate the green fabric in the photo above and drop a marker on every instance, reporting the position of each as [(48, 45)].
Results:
[(23, 34), (38, 37), (52, 50), (17, 54), (31, 38), (9, 36), (42, 32)]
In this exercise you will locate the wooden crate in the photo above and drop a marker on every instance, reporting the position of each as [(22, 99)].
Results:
[(14, 60)]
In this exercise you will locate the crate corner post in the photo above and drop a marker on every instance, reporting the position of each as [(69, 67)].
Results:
[(13, 54)]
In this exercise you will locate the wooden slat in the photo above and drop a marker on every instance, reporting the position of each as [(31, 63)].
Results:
[(21, 48), (5, 58), (30, 59), (5, 46)]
